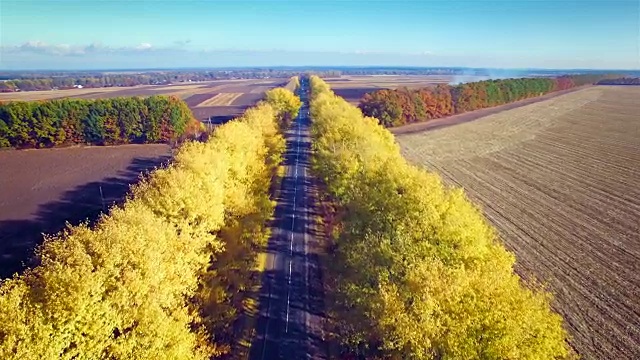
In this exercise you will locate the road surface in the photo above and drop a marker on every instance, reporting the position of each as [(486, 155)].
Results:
[(291, 301)]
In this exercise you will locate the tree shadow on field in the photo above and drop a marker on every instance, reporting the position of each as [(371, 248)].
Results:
[(19, 238)]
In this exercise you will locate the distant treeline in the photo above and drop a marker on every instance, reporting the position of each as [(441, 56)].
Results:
[(404, 106), (99, 122), (49, 81), (11, 81), (620, 81)]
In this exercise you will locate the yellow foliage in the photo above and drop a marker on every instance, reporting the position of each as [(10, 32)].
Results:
[(293, 84), (284, 102), (254, 148), (142, 283), (420, 273), (105, 293)]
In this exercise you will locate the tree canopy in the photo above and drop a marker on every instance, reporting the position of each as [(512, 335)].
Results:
[(415, 269), (166, 274), (120, 120), (404, 106)]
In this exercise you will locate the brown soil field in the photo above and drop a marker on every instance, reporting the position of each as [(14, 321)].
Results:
[(57, 94), (353, 87), (560, 180), (387, 81), (353, 95), (248, 91), (196, 99), (218, 114), (247, 99), (42, 189), (222, 99), (272, 82)]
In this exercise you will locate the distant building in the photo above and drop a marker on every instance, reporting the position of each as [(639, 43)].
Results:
[(77, 86)]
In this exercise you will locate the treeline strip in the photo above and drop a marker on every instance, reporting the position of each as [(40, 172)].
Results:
[(234, 273), (121, 120), (293, 84), (620, 81), (404, 106), (417, 272), (158, 277), (69, 80)]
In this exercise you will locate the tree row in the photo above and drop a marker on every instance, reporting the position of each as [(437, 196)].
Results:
[(415, 271), (620, 81), (165, 275), (99, 122), (65, 80), (404, 106)]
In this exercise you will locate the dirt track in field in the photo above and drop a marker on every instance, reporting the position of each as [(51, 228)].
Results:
[(560, 179), (42, 189)]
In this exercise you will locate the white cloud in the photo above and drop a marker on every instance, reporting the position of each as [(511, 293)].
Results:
[(44, 48), (40, 47), (143, 46)]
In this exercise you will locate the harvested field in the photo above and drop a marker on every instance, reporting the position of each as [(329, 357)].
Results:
[(218, 114), (58, 94), (43, 189), (560, 181), (474, 115), (240, 81), (387, 81), (196, 99), (246, 99), (220, 93), (222, 99), (353, 95), (352, 88)]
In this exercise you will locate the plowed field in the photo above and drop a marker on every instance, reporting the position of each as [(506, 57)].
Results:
[(560, 179), (223, 99), (218, 100), (42, 189), (353, 87)]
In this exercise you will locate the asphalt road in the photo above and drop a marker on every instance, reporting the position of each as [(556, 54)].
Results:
[(291, 301)]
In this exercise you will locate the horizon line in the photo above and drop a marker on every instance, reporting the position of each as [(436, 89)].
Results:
[(324, 67)]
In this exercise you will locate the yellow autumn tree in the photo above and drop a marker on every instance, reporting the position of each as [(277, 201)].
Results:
[(293, 84), (419, 273), (254, 148), (285, 103), (161, 275)]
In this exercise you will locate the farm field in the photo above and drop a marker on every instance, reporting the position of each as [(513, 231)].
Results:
[(219, 100), (353, 87), (474, 115), (42, 189), (560, 181)]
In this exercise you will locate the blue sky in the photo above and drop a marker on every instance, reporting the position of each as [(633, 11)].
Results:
[(55, 34)]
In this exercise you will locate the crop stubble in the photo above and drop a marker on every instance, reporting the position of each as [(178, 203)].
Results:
[(560, 179), (223, 99)]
